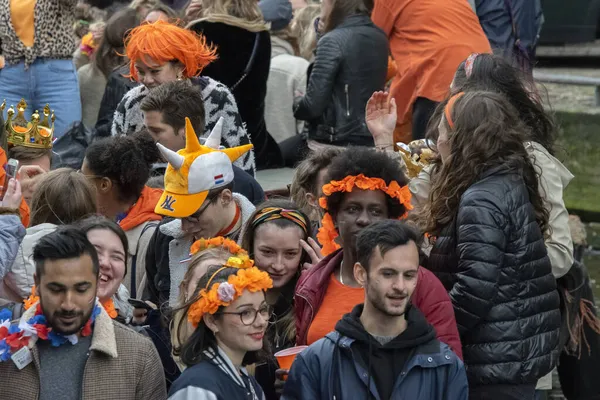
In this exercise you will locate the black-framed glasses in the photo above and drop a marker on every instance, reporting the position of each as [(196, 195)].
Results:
[(249, 315), (195, 217)]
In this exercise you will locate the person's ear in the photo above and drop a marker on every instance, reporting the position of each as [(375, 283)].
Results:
[(311, 199), (181, 131), (211, 323), (179, 67), (105, 185), (226, 197), (360, 274)]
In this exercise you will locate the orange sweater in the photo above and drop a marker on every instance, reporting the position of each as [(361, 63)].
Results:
[(428, 40)]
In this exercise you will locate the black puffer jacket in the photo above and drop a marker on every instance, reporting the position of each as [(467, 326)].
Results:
[(350, 64), (493, 261)]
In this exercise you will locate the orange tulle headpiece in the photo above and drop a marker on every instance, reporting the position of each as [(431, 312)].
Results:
[(163, 42), (328, 233), (221, 294)]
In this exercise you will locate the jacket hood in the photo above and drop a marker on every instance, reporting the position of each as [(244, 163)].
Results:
[(280, 46), (418, 330), (143, 210), (563, 172)]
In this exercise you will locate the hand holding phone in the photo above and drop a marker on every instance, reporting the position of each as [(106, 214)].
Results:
[(11, 168)]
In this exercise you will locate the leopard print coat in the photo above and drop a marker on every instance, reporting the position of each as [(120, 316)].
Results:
[(54, 36)]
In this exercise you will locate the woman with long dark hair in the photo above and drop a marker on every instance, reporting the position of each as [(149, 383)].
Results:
[(489, 220), (273, 237), (230, 314)]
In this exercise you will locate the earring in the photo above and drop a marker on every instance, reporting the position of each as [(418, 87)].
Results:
[(179, 76)]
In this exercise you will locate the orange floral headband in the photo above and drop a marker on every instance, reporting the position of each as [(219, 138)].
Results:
[(219, 241), (221, 294), (328, 233), (450, 106)]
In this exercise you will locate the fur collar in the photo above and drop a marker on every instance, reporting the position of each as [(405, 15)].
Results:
[(103, 336)]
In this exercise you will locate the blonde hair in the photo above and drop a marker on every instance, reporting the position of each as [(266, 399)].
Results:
[(244, 9), (181, 331), (303, 27), (63, 197)]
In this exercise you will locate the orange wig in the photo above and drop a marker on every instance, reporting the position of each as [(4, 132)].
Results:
[(164, 42)]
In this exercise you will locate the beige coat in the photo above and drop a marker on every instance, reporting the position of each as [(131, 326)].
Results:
[(553, 180), (122, 365)]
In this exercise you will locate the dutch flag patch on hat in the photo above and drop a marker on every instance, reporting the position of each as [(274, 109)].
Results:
[(219, 179)]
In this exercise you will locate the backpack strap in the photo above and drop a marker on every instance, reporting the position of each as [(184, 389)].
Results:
[(134, 260)]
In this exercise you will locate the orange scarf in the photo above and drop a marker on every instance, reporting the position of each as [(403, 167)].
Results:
[(143, 210)]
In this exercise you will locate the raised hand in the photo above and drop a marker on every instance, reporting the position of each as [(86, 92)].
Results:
[(380, 116)]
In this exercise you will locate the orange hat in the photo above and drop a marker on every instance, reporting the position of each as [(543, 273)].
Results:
[(195, 170)]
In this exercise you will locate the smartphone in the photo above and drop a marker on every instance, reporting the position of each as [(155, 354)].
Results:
[(140, 304), (11, 168)]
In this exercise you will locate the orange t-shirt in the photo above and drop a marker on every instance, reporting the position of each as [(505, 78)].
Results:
[(338, 300), (428, 40), (22, 14)]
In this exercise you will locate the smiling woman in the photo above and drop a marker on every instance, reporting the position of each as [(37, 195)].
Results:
[(230, 315), (273, 238), (110, 243)]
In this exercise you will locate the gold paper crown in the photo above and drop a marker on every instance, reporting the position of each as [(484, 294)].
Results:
[(34, 133), (415, 162)]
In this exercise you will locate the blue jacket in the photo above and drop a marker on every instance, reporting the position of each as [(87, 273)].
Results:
[(12, 233), (215, 378), (434, 372)]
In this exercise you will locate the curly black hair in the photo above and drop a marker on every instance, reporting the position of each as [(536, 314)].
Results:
[(371, 163), (125, 160)]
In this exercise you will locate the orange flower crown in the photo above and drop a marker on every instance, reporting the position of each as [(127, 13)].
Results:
[(328, 233), (221, 294), (240, 257)]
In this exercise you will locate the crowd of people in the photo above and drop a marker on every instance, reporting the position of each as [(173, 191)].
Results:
[(422, 250)]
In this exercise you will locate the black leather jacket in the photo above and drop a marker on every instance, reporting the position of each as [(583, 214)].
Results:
[(493, 260), (350, 64)]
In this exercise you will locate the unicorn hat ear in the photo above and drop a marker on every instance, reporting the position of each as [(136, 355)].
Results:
[(192, 144), (176, 160), (214, 139)]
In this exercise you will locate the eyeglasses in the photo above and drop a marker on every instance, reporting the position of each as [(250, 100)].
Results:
[(249, 316), (195, 217)]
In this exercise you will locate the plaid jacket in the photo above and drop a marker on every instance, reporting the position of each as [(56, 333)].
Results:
[(122, 365)]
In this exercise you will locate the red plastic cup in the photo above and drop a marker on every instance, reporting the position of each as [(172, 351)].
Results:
[(286, 357)]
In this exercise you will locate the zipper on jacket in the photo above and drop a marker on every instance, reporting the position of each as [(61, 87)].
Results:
[(347, 101), (312, 314)]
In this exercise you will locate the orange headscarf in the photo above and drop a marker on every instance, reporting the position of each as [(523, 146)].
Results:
[(164, 42)]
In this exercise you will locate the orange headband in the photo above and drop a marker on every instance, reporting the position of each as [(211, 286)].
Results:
[(450, 106), (328, 233), (164, 42)]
